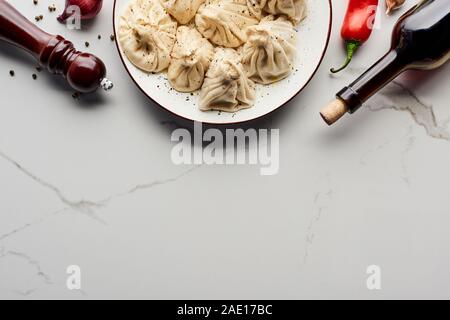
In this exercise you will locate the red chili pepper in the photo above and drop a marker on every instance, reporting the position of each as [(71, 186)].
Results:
[(358, 25)]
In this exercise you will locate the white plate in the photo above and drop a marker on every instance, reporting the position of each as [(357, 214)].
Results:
[(313, 37)]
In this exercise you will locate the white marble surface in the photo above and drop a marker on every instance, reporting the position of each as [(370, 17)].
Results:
[(91, 183)]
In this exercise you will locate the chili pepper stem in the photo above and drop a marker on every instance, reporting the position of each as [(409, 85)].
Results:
[(352, 46)]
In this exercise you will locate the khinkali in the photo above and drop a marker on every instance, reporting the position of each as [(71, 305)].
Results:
[(294, 9), (191, 57), (223, 22), (269, 53), (182, 10), (147, 34), (226, 87)]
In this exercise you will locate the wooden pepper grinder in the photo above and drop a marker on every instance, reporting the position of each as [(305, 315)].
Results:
[(83, 71)]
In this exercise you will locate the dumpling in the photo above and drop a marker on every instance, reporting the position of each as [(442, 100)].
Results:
[(269, 53), (147, 35), (223, 22), (255, 8), (182, 10), (294, 9), (226, 87), (191, 57)]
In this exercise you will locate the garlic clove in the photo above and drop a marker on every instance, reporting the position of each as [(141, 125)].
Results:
[(393, 5)]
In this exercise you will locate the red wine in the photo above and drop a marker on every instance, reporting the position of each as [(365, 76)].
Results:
[(420, 40)]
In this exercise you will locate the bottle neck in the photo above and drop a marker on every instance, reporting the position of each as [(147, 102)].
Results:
[(374, 79)]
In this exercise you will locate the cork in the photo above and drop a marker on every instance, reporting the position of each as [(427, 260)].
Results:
[(333, 111)]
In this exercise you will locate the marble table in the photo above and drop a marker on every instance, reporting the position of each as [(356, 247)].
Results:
[(90, 183)]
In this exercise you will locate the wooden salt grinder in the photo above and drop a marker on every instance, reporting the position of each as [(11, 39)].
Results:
[(83, 71)]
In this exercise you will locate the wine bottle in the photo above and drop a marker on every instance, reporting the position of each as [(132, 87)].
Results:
[(420, 41)]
